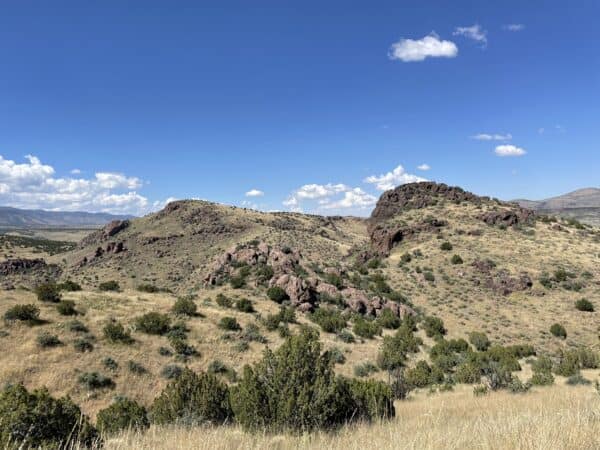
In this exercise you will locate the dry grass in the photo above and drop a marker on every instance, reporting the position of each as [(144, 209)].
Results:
[(560, 417)]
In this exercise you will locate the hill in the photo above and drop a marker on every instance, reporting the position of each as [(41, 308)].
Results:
[(582, 205), (428, 250), (28, 218)]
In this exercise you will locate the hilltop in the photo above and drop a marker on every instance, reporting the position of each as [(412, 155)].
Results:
[(582, 205), (37, 218)]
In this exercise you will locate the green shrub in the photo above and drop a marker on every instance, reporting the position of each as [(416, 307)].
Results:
[(110, 363), (433, 326), (148, 288), (479, 340), (185, 306), (115, 332), (171, 371), (223, 301), (244, 305), (277, 294), (37, 420), (480, 391), (47, 340), (182, 348), (542, 364), (237, 282), (192, 399), (365, 369), (66, 308), (446, 246), (153, 323), (387, 319), (329, 319), (252, 334), (456, 259), (346, 337), (109, 286), (136, 368), (366, 329), (429, 276), (516, 386), (23, 313), (77, 326), (83, 345), (229, 323), (394, 350), (295, 389), (48, 293), (558, 330), (94, 380), (584, 305), (578, 379), (468, 373), (422, 375), (69, 286), (542, 379), (122, 414)]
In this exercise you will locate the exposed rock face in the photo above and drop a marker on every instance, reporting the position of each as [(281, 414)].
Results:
[(359, 302), (500, 281), (298, 290), (383, 238), (509, 217), (418, 196), (109, 230), (21, 265)]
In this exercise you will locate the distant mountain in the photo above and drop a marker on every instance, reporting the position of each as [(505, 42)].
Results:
[(25, 218), (583, 205)]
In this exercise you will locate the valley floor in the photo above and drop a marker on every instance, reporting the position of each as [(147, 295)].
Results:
[(558, 417)]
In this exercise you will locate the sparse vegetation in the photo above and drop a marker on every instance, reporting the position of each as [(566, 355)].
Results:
[(109, 286), (24, 313)]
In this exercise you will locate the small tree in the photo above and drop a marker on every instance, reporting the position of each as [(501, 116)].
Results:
[(48, 292), (185, 306), (277, 294), (23, 313), (123, 414), (153, 323)]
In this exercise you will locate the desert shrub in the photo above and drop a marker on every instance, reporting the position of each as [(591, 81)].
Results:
[(153, 323), (588, 358), (366, 329), (122, 414), (456, 259), (263, 273), (295, 389), (277, 294), (542, 378), (479, 340), (184, 306), (136, 368), (584, 305), (182, 348), (66, 308), (77, 326), (346, 337), (337, 355), (429, 276), (47, 340), (578, 379), (177, 331), (110, 363), (244, 305), (329, 319), (446, 246), (405, 258), (521, 350), (22, 313), (558, 330), (394, 349), (374, 263), (38, 420), (115, 332), (48, 292), (148, 288), (387, 319), (334, 279), (109, 286), (229, 323), (192, 399), (365, 369), (83, 345), (516, 386), (94, 380), (468, 373), (422, 375), (571, 361), (542, 364), (505, 357), (237, 282), (480, 391), (171, 371), (69, 286), (223, 301), (164, 351), (252, 334), (433, 326)]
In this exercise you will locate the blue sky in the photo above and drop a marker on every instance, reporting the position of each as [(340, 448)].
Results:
[(309, 105)]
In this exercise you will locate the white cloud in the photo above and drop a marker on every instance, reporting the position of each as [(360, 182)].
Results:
[(76, 172), (392, 179), (33, 185), (355, 198), (509, 150), (254, 193), (329, 197), (514, 27), (424, 167), (474, 32), (410, 50), (492, 137)]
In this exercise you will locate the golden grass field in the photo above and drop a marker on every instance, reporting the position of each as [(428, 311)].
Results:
[(558, 417)]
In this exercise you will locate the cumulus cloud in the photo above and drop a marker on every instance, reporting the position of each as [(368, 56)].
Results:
[(329, 197), (424, 167), (509, 150), (392, 179), (492, 137), (32, 184), (431, 46), (76, 172), (514, 27), (474, 32), (254, 193)]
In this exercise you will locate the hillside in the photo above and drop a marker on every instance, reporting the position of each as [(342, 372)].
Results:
[(29, 218), (427, 250), (582, 205)]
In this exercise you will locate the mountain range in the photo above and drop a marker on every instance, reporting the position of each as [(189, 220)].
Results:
[(26, 218), (582, 205)]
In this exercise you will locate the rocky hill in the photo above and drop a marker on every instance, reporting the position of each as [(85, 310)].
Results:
[(582, 205)]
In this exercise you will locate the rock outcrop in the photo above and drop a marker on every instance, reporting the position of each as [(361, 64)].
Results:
[(108, 231), (500, 280), (21, 265)]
